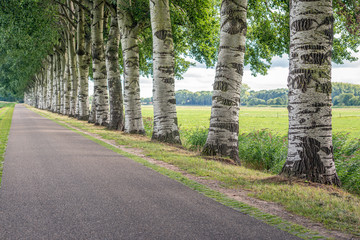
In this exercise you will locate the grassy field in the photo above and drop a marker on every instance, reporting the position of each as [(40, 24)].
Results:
[(256, 118), (6, 111)]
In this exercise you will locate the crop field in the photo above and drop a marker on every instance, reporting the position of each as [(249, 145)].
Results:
[(345, 120)]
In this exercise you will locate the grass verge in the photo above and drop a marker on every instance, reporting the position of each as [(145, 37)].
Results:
[(6, 112), (333, 207)]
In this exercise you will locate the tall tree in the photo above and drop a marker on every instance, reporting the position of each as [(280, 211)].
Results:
[(310, 150), (165, 117), (224, 121), (129, 30), (83, 60), (116, 116), (66, 79), (50, 80), (99, 68), (74, 81)]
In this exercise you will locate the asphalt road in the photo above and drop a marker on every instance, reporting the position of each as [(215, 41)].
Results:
[(59, 185)]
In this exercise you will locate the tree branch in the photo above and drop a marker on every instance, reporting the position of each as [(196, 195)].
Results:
[(87, 9), (111, 7), (67, 18), (65, 6)]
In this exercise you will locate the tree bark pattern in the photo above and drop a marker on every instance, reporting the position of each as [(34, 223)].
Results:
[(83, 59), (130, 51), (223, 133), (73, 75), (49, 83), (116, 116), (54, 84), (58, 84), (310, 150), (99, 68), (66, 83), (165, 117)]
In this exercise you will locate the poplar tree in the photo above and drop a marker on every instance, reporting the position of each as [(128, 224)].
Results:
[(224, 121), (165, 117), (310, 148)]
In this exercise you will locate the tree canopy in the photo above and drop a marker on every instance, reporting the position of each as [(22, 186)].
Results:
[(28, 32)]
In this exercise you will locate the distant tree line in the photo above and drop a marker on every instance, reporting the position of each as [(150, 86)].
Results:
[(343, 94)]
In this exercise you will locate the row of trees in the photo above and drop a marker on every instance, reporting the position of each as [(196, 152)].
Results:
[(90, 33), (159, 33), (343, 94), (248, 98)]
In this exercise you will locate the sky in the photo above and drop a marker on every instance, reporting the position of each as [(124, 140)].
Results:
[(199, 78)]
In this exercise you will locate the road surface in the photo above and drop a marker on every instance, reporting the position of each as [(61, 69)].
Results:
[(58, 184)]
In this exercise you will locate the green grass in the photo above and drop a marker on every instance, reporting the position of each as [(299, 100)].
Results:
[(333, 207), (256, 118), (6, 112), (263, 138)]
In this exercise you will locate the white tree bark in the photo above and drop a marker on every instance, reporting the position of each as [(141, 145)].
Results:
[(66, 82), (99, 68), (83, 59), (43, 86), (92, 112), (59, 84), (130, 51), (72, 59), (310, 152), (73, 74), (116, 116), (50, 79), (36, 93), (222, 139), (54, 83), (165, 118)]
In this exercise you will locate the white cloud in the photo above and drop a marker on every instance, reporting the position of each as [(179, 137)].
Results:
[(276, 78)]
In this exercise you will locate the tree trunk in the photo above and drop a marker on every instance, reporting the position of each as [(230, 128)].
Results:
[(73, 75), (66, 82), (74, 81), (92, 111), (50, 79), (310, 150), (58, 83), (99, 69), (83, 60), (130, 50), (165, 118), (61, 82), (54, 83), (44, 79), (223, 133), (116, 120)]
